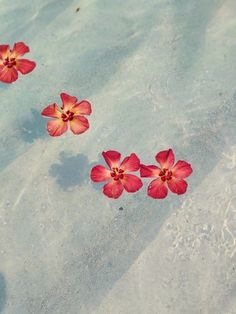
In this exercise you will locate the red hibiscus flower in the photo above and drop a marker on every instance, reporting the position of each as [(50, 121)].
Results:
[(169, 175), (11, 62), (71, 112), (117, 175)]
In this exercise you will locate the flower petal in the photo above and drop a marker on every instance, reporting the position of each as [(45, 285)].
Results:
[(177, 186), (4, 50), (130, 163), (79, 124), (19, 49), (25, 66), (67, 101), (166, 158), (113, 189), (82, 108), (112, 158), (131, 183), (8, 75), (157, 189), (99, 174), (149, 171), (182, 169), (56, 127), (51, 111)]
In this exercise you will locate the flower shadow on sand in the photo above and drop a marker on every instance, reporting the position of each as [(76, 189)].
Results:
[(33, 128), (72, 171), (24, 135)]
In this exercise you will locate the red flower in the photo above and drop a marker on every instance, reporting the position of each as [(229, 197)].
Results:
[(71, 113), (117, 175), (11, 62), (168, 175)]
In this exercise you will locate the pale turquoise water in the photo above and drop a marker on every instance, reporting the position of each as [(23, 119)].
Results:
[(159, 74)]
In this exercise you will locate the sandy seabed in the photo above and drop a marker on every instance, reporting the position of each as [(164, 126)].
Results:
[(160, 74)]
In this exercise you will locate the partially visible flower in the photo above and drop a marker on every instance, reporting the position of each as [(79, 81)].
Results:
[(167, 176), (11, 62), (117, 176), (71, 113)]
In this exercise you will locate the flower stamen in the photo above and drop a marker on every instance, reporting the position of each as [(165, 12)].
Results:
[(165, 174), (68, 116), (117, 174), (9, 62)]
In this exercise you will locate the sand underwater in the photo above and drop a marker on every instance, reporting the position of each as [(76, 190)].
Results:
[(159, 74)]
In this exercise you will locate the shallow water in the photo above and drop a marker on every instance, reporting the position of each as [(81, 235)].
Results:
[(159, 74)]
